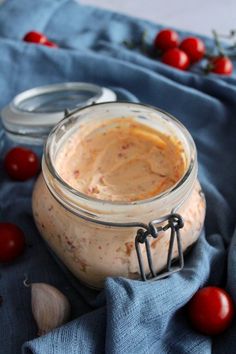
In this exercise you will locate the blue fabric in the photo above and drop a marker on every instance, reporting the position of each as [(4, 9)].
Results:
[(128, 316)]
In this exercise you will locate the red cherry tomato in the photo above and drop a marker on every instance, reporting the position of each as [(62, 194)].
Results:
[(221, 65), (194, 48), (21, 164), (12, 242), (35, 37), (176, 58), (211, 310), (166, 39), (50, 44)]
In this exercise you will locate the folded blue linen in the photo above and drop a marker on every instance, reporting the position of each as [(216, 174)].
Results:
[(127, 316)]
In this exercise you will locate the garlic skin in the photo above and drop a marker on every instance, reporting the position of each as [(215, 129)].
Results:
[(50, 307)]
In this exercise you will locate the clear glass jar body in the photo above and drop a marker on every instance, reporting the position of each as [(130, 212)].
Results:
[(90, 236)]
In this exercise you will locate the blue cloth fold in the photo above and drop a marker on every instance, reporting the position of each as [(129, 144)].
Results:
[(127, 316)]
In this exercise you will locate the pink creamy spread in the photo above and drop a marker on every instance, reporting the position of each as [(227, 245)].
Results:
[(115, 160), (120, 160)]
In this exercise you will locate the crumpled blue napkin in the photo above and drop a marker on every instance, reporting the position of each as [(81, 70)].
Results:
[(128, 316)]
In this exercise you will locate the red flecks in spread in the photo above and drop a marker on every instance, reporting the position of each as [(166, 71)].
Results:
[(153, 245), (92, 190), (70, 243), (82, 265), (76, 173), (167, 243), (125, 146), (129, 247), (106, 165)]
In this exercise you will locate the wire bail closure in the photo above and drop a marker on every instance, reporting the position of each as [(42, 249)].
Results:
[(174, 223)]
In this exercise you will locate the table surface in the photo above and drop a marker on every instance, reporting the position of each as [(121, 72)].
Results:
[(198, 16)]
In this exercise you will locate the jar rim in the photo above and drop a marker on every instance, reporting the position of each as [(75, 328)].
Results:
[(31, 115), (47, 159)]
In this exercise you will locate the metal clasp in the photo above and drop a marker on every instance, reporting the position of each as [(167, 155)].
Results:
[(174, 223)]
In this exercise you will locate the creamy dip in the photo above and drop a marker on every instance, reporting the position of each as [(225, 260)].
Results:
[(121, 160), (93, 252)]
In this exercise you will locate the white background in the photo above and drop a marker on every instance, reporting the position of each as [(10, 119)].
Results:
[(199, 16)]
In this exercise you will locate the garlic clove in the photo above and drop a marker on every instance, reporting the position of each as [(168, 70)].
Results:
[(50, 307)]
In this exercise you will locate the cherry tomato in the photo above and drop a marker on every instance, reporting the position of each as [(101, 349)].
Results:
[(177, 58), (221, 65), (166, 39), (194, 48), (35, 37), (211, 310), (21, 164), (12, 242), (50, 44)]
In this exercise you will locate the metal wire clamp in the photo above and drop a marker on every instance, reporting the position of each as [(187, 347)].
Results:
[(174, 223)]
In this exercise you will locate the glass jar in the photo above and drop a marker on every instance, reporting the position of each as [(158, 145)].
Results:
[(30, 116), (96, 238)]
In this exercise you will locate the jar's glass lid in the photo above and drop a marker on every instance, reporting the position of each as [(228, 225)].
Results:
[(32, 114)]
